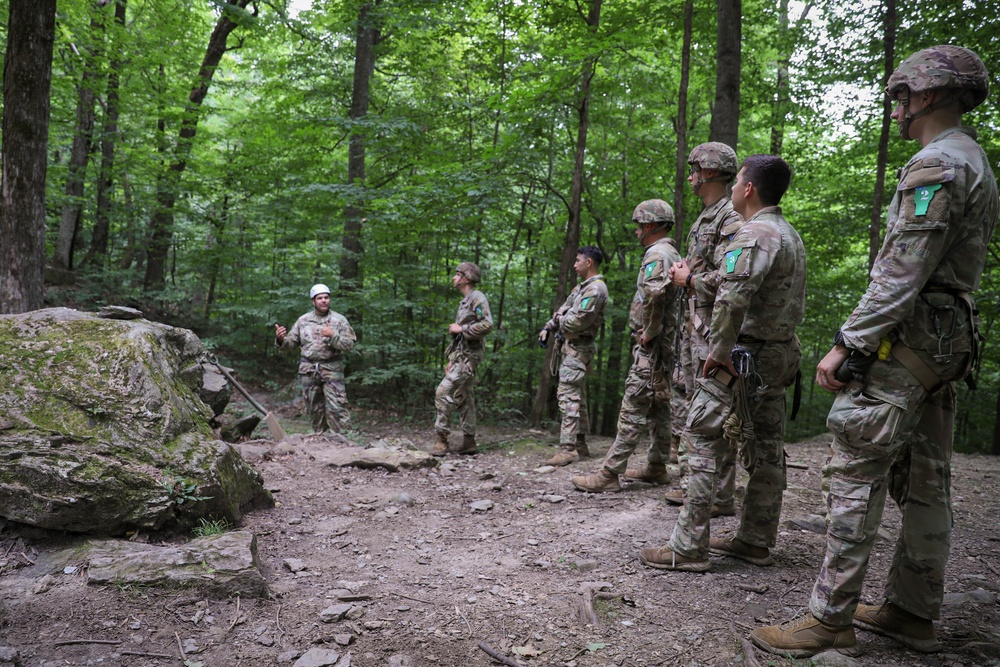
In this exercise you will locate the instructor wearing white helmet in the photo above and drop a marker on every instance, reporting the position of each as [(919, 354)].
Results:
[(323, 336)]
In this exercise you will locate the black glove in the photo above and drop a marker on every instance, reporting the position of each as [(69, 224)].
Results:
[(856, 367)]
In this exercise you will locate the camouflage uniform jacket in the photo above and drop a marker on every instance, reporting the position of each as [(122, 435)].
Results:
[(652, 308), (707, 241), (476, 320), (582, 314), (763, 292), (938, 226), (316, 348)]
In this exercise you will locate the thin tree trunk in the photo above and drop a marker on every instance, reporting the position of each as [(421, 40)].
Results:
[(875, 228), (682, 94), (109, 135), (27, 80), (364, 67), (726, 112), (613, 371), (161, 226), (69, 225), (572, 238)]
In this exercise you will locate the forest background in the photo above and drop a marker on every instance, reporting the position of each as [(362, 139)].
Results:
[(207, 161)]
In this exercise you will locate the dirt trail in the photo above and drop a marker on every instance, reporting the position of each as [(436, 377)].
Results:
[(426, 576)]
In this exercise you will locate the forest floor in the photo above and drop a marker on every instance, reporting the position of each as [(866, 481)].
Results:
[(428, 577)]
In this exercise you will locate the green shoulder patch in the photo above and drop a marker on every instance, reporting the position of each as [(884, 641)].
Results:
[(479, 311), (731, 258), (922, 197), (587, 300), (650, 268)]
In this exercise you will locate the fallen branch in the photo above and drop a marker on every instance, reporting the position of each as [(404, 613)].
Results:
[(749, 654), (796, 465), (493, 653), (148, 655), (180, 647), (585, 609), (408, 597), (467, 624), (989, 566), (67, 642), (753, 589), (236, 617)]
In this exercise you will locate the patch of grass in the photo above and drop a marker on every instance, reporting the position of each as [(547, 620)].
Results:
[(208, 527), (132, 590)]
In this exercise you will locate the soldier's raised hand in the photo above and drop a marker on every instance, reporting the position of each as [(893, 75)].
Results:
[(279, 333)]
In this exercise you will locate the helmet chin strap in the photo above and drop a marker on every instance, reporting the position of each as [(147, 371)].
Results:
[(908, 118), (699, 181)]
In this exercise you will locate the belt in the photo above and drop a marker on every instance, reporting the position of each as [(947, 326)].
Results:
[(744, 338), (724, 376), (941, 289), (473, 344)]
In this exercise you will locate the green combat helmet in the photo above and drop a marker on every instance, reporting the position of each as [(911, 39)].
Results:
[(654, 211), (714, 155), (469, 270), (942, 67)]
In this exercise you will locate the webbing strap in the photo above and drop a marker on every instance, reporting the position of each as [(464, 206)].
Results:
[(917, 367)]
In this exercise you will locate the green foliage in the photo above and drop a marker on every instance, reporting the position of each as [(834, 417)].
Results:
[(469, 143), (181, 490), (208, 527)]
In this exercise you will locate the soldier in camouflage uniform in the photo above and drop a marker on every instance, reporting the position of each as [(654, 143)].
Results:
[(893, 365), (322, 336), (465, 353), (647, 388), (759, 303), (713, 168), (576, 324)]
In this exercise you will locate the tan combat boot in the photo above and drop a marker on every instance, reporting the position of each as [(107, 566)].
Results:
[(674, 496), (581, 446), (737, 548), (440, 445), (805, 637), (468, 445), (566, 455), (652, 473), (665, 558), (675, 443), (602, 480), (891, 621)]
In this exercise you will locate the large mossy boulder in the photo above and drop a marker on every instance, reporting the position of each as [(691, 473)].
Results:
[(102, 429)]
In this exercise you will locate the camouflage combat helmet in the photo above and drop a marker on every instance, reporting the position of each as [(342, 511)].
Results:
[(469, 270), (939, 67), (715, 155), (653, 211)]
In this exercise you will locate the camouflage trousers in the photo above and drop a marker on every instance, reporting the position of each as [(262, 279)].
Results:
[(726, 493), (709, 450), (572, 392), (457, 392), (641, 410), (889, 436), (325, 395)]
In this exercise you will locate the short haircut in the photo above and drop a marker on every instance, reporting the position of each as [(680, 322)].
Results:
[(591, 252), (769, 174)]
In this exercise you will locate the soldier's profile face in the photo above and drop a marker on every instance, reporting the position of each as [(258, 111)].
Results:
[(581, 265), (739, 193)]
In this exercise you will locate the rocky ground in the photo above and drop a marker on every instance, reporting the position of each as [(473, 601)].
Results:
[(492, 552)]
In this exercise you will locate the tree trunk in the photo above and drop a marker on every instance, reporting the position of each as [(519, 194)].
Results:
[(69, 226), (875, 228), (726, 112), (613, 371), (572, 238), (161, 226), (682, 94), (364, 67), (27, 79), (109, 134), (781, 87)]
